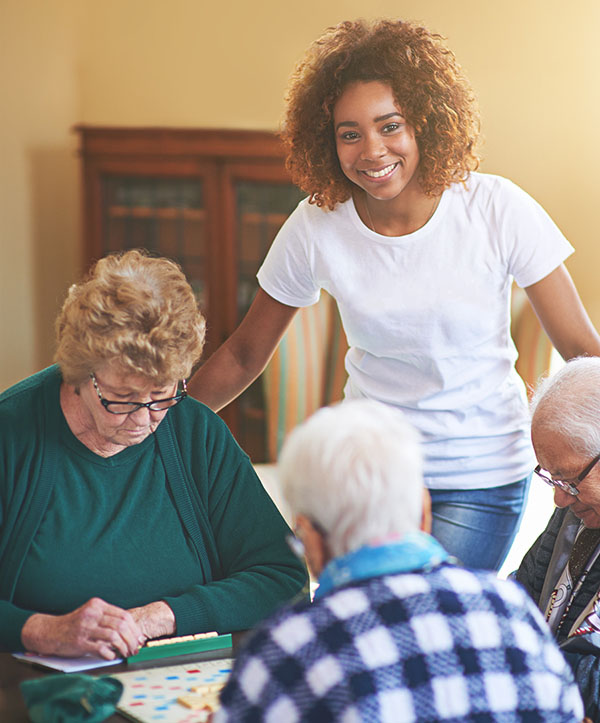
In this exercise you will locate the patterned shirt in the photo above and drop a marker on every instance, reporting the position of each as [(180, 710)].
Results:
[(449, 644)]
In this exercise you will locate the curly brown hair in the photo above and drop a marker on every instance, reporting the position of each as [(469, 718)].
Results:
[(133, 309), (428, 85)]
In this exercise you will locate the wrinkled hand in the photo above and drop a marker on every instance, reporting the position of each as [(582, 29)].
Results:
[(95, 628), (155, 619)]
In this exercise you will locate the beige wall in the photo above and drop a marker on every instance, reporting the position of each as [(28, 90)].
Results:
[(38, 176), (533, 63)]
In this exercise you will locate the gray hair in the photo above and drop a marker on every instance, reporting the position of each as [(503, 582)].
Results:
[(355, 470), (568, 403)]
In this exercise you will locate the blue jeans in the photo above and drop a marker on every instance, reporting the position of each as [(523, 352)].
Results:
[(479, 526)]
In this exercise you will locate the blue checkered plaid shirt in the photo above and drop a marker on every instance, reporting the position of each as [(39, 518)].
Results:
[(446, 645)]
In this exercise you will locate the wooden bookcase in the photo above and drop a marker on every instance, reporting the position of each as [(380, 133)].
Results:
[(213, 200)]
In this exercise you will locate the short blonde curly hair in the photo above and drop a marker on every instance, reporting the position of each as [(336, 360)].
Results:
[(133, 309), (428, 85)]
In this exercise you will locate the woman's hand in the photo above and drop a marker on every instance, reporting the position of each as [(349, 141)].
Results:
[(155, 619), (95, 628)]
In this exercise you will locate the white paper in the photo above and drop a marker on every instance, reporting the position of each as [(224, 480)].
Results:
[(67, 665)]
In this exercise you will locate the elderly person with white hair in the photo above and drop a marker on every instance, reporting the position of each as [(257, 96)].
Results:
[(397, 632), (562, 569)]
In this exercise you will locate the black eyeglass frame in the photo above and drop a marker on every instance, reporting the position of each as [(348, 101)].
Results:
[(169, 401), (568, 486)]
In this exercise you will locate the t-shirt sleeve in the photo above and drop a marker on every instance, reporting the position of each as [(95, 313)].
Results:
[(532, 243), (287, 272)]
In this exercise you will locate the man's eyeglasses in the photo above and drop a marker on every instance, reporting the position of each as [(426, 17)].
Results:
[(568, 486), (296, 544), (156, 405)]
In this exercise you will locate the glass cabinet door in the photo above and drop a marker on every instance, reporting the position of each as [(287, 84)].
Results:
[(165, 216), (261, 209), (212, 200)]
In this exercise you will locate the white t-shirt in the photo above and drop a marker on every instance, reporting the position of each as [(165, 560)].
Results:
[(427, 316)]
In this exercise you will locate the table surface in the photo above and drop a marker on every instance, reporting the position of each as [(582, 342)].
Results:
[(13, 672)]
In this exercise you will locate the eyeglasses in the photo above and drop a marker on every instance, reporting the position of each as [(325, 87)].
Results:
[(296, 546), (568, 486), (296, 543), (156, 405)]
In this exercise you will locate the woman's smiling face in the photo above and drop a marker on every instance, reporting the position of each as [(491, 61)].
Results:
[(376, 147)]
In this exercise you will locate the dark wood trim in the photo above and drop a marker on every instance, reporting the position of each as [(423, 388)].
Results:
[(178, 142)]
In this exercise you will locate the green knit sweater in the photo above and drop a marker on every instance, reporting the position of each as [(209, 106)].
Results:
[(75, 525)]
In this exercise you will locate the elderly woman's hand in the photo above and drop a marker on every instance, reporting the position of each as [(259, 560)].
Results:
[(95, 628), (155, 619)]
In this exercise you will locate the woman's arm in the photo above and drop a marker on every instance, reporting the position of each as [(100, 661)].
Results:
[(256, 570), (563, 316), (237, 362)]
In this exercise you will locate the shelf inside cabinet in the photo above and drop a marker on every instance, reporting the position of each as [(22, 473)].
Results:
[(191, 214)]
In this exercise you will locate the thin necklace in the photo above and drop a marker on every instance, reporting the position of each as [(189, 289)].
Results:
[(372, 225)]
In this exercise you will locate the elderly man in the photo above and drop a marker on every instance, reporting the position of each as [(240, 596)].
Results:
[(396, 632), (562, 570)]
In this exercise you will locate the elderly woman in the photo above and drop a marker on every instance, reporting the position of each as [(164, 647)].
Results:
[(127, 510)]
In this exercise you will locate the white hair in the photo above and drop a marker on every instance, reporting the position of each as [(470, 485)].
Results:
[(568, 403), (355, 470)]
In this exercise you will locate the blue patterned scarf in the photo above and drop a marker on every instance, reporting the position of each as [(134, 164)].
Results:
[(415, 551)]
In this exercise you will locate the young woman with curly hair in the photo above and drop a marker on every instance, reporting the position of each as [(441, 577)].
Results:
[(419, 251)]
